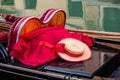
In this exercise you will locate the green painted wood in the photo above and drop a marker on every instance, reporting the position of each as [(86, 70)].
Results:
[(111, 19), (30, 4), (75, 8), (3, 11), (7, 2)]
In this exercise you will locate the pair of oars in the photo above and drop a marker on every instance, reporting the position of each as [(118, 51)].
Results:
[(99, 34)]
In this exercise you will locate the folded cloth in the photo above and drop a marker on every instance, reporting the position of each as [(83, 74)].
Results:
[(38, 47), (3, 37)]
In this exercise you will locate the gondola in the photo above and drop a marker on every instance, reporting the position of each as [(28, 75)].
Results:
[(104, 63)]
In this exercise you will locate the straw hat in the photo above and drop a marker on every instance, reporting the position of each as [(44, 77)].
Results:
[(76, 50)]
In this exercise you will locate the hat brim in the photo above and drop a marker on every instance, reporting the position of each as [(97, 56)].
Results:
[(87, 54)]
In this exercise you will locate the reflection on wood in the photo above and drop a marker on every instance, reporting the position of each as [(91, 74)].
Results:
[(94, 62)]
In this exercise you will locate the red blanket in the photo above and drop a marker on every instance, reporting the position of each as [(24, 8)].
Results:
[(38, 47)]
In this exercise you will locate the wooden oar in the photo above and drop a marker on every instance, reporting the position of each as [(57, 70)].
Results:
[(99, 34), (103, 36)]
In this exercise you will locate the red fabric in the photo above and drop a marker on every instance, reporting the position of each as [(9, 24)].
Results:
[(3, 37), (37, 47), (11, 36)]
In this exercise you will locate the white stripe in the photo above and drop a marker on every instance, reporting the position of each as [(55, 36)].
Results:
[(47, 14), (51, 16), (20, 28)]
